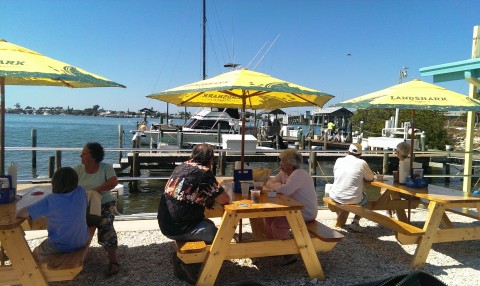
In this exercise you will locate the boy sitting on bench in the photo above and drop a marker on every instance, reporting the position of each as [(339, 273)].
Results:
[(65, 213)]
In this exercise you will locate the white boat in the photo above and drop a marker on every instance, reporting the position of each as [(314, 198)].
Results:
[(205, 126)]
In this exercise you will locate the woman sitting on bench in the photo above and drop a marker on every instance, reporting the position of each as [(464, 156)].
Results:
[(295, 182)]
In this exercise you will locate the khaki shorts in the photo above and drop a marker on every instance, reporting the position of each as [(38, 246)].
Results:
[(43, 251)]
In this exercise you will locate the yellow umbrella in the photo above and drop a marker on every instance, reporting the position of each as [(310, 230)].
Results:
[(21, 66), (414, 94), (243, 89)]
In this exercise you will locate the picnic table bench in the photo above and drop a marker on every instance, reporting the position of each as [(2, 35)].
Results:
[(66, 266), (323, 238), (343, 211)]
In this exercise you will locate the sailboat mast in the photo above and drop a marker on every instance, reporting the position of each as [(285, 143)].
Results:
[(204, 39)]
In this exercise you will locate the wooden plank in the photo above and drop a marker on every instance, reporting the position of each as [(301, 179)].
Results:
[(323, 232), (465, 212), (258, 249), (305, 245), (190, 246), (17, 249), (383, 220)]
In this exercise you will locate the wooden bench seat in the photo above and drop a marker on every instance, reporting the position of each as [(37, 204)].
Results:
[(185, 247), (465, 212), (323, 232), (66, 266), (393, 224)]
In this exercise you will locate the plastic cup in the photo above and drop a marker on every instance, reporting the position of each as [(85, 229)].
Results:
[(255, 196), (258, 185), (245, 186)]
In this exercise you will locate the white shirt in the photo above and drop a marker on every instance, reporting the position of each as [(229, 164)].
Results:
[(349, 173), (299, 186)]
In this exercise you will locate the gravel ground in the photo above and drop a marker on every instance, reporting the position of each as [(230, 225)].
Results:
[(361, 257)]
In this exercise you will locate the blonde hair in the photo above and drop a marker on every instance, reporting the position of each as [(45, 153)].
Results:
[(292, 157)]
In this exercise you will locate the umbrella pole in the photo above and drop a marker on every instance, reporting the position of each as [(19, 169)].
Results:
[(412, 145), (243, 130), (2, 128)]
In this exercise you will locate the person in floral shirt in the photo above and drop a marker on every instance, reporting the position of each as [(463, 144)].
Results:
[(192, 187)]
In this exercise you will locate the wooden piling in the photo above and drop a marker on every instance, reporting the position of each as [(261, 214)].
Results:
[(51, 166), (58, 159), (325, 141), (34, 144), (120, 142), (385, 163), (313, 165)]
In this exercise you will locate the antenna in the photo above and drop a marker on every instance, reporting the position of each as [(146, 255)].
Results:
[(266, 52)]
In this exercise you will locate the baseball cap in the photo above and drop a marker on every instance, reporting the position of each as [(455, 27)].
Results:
[(355, 149)]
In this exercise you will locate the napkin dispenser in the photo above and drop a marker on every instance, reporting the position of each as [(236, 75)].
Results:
[(241, 175), (7, 193)]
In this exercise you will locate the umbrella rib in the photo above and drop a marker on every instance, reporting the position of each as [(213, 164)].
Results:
[(65, 83), (185, 101), (306, 100)]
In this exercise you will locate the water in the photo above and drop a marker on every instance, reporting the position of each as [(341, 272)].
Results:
[(74, 131)]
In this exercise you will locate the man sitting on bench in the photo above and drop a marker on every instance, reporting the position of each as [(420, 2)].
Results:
[(350, 172), (192, 187)]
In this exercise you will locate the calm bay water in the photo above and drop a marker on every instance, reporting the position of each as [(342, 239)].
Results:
[(74, 131)]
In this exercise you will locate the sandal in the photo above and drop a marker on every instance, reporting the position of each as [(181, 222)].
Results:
[(113, 270)]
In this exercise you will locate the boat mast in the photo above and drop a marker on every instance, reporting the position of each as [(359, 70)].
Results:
[(204, 39)]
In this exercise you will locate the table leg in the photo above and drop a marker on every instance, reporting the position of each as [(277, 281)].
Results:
[(20, 255), (305, 245), (218, 250), (257, 229), (435, 214)]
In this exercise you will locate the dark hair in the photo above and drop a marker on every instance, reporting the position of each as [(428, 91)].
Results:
[(96, 151), (64, 180), (202, 154)]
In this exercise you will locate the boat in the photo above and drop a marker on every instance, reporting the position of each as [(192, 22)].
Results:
[(207, 125)]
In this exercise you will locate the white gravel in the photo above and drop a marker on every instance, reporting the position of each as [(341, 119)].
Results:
[(361, 257)]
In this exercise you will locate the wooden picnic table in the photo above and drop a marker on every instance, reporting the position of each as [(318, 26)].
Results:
[(441, 201), (23, 269), (223, 248), (437, 227)]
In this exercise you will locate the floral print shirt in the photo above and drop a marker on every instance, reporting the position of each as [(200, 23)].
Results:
[(191, 188)]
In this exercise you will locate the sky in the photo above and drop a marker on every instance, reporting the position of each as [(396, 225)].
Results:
[(346, 48)]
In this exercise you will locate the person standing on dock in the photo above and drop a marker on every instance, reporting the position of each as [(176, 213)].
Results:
[(350, 172), (94, 175), (192, 187), (330, 129)]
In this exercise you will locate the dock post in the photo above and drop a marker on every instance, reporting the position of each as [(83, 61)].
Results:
[(34, 144), (120, 142), (302, 144), (180, 140), (58, 159), (423, 138), (325, 140), (135, 167), (313, 165), (447, 172), (219, 136), (51, 166), (277, 141), (222, 159), (385, 162)]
